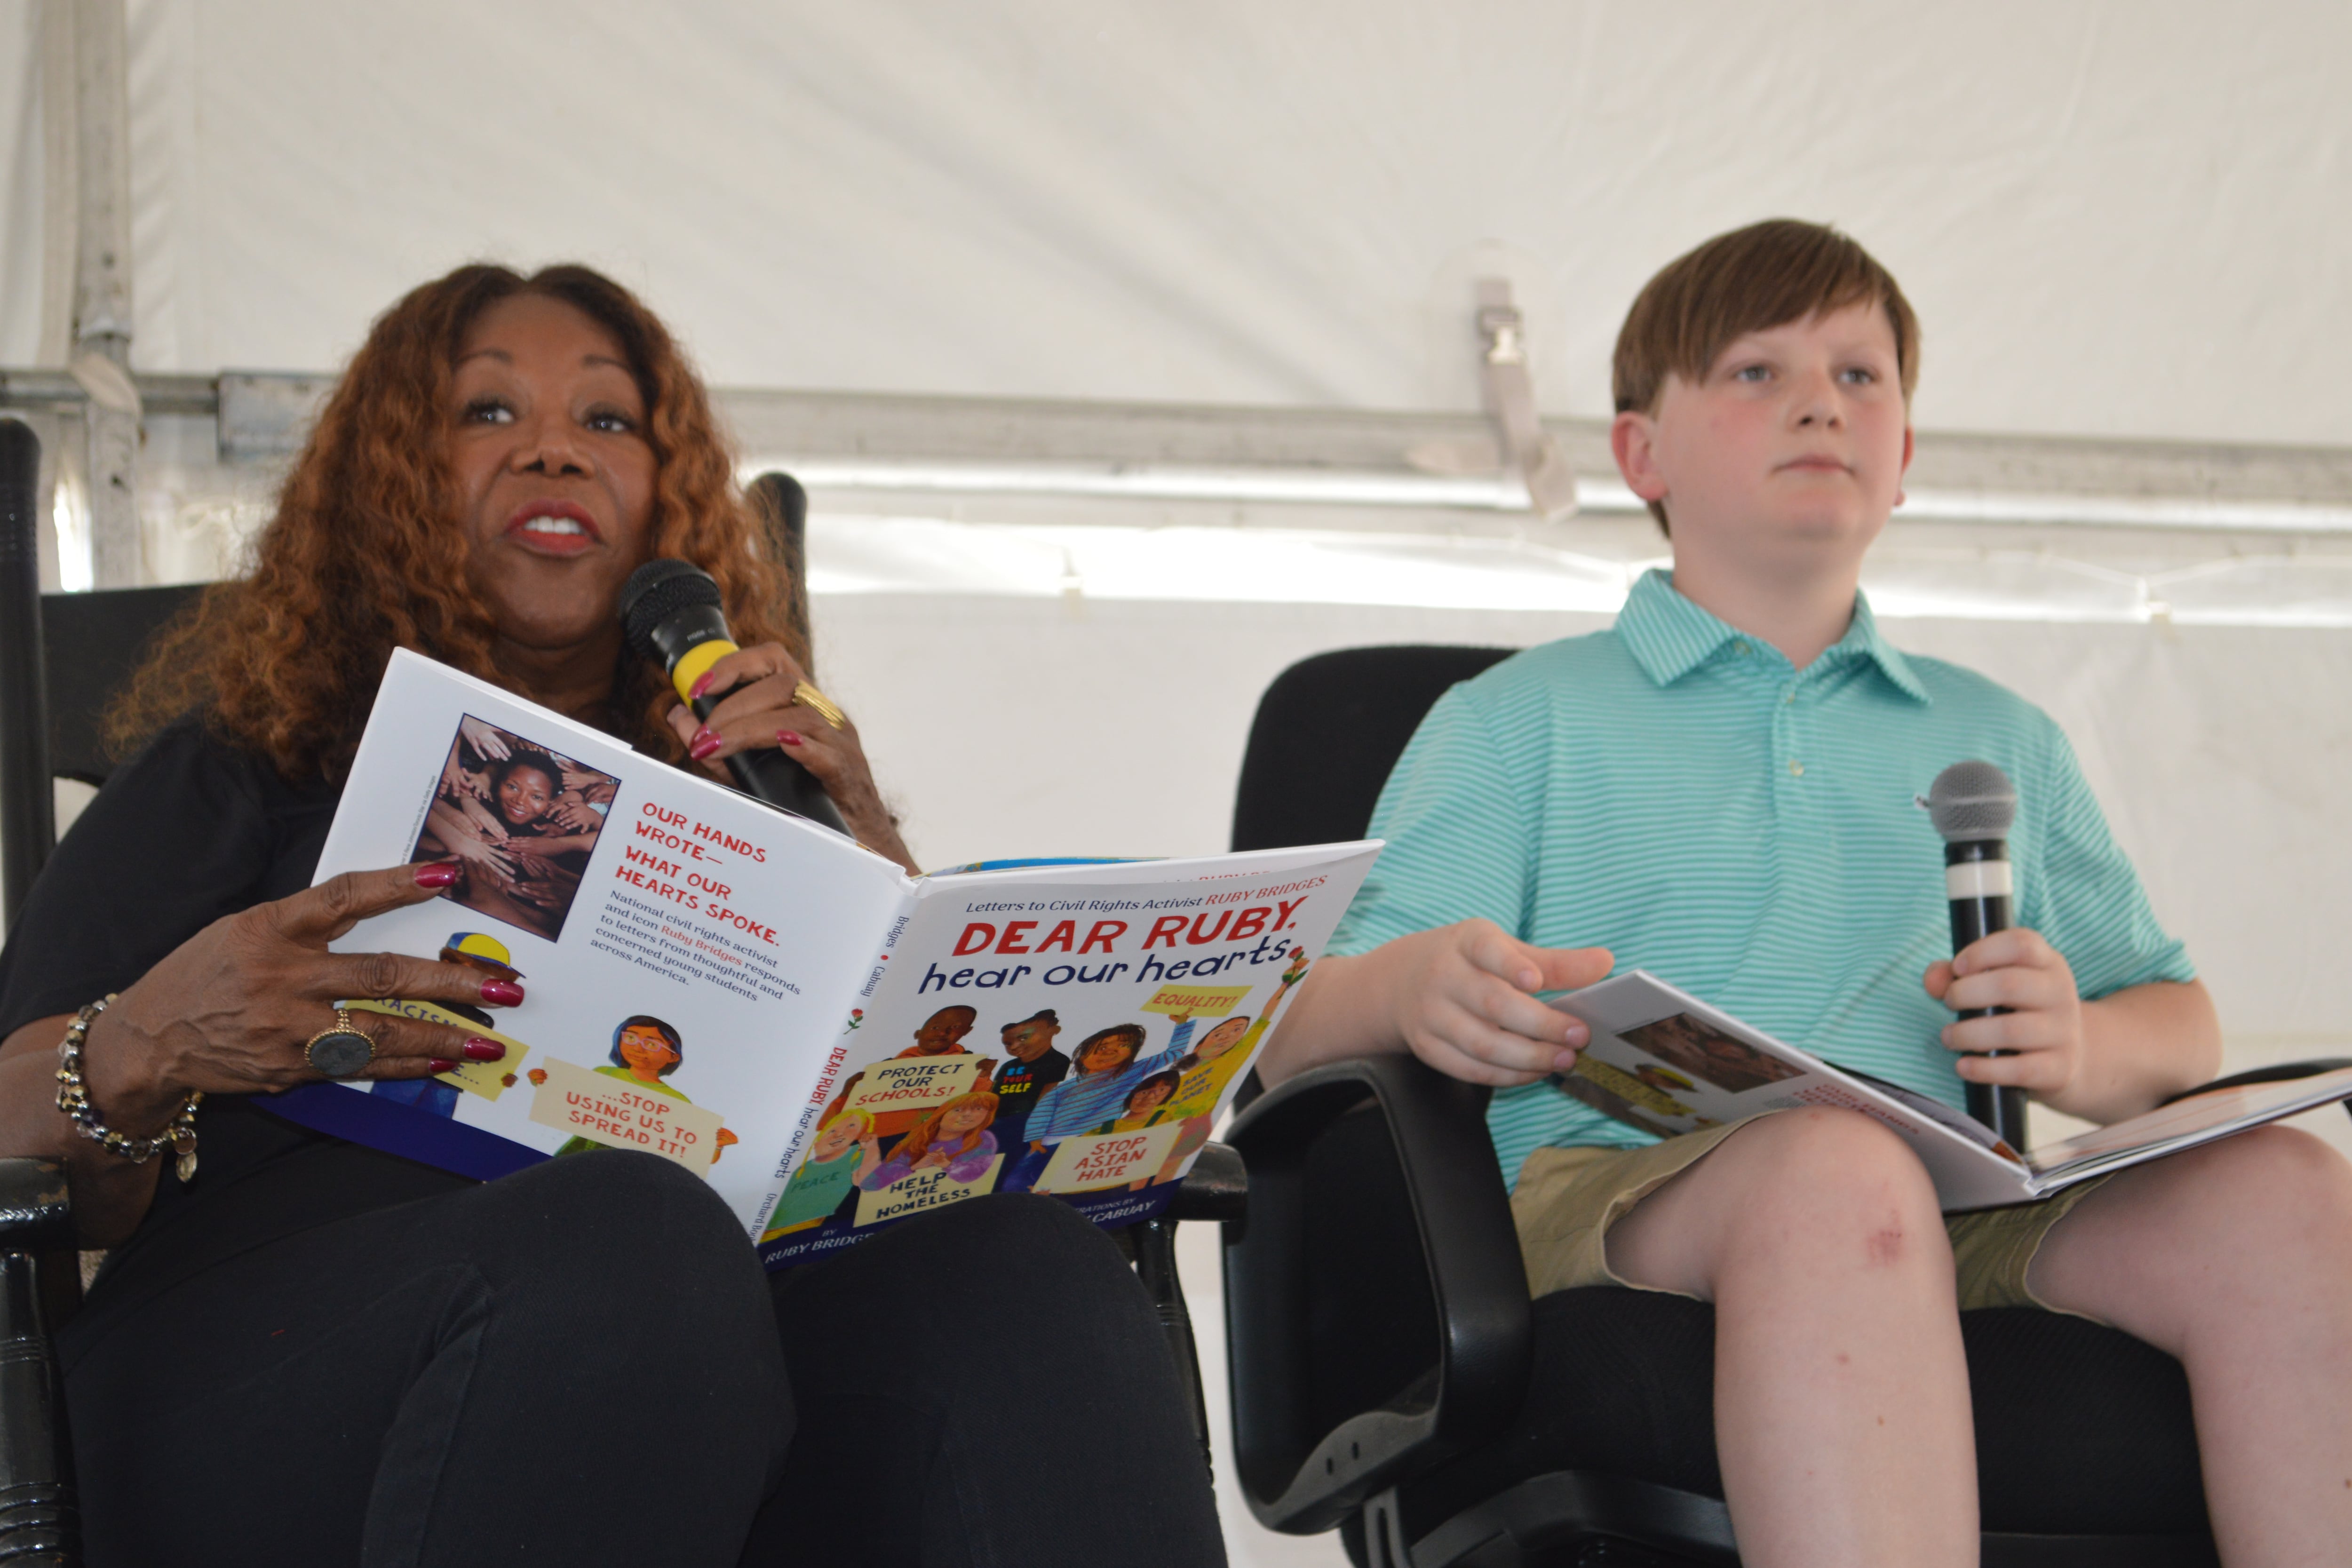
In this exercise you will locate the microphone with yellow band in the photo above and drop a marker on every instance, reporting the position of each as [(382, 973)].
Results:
[(670, 610)]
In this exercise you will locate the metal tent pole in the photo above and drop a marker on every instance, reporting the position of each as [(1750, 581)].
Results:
[(102, 314)]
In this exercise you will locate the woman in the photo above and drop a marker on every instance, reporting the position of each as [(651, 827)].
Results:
[(300, 1350), (516, 859)]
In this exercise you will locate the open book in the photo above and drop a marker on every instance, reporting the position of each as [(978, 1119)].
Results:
[(1664, 1061), (832, 1044)]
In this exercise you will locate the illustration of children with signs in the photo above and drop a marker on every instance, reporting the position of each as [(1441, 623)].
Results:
[(1032, 1068), (477, 950), (1146, 1103), (1223, 1052), (955, 1138), (1104, 1071), (645, 1051), (845, 1150)]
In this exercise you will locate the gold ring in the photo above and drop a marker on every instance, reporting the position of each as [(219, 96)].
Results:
[(341, 1049), (817, 700)]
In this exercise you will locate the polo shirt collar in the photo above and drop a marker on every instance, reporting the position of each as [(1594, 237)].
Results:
[(1669, 636)]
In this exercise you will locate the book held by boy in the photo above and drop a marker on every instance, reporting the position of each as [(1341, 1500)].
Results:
[(1664, 1061), (832, 1044)]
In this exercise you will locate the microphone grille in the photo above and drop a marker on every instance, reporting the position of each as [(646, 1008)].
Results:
[(655, 592), (1971, 800)]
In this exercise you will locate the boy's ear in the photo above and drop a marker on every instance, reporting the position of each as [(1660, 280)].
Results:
[(1633, 438), (1908, 447)]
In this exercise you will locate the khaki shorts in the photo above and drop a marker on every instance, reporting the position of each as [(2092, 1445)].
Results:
[(1568, 1198)]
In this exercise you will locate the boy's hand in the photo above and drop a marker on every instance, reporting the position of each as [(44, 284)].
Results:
[(2017, 970), (1460, 1000)]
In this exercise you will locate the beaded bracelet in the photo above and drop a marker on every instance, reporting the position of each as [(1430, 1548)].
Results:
[(73, 1098)]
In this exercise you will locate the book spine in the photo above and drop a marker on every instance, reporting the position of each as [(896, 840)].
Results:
[(836, 1058)]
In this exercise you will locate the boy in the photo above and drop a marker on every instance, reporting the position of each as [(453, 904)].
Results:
[(1718, 789)]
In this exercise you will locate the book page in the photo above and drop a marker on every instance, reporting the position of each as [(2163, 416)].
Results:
[(1071, 1031), (1665, 1062), (2200, 1119), (686, 955)]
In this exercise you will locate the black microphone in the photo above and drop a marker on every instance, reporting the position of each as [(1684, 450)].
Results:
[(670, 610), (1973, 805)]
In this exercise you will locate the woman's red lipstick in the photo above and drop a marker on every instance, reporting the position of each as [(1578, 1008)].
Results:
[(553, 528)]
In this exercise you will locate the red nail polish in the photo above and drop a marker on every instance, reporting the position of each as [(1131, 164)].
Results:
[(440, 1065), (440, 874), (787, 738), (706, 741), (479, 1049), (502, 993), (702, 685)]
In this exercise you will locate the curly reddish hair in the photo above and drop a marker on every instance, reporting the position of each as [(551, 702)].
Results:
[(367, 553)]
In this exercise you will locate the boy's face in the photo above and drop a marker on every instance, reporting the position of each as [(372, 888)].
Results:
[(1783, 461), (943, 1031)]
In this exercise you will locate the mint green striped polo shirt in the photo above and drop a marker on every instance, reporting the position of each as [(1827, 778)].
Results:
[(1676, 791)]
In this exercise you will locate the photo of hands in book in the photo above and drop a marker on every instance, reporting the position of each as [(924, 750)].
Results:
[(521, 819)]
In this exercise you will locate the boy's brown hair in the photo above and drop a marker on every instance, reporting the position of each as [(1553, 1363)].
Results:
[(1750, 281)]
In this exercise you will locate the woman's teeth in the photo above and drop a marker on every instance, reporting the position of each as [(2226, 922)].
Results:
[(553, 525)]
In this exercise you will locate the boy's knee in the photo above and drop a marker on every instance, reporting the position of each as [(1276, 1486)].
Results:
[(1841, 1170)]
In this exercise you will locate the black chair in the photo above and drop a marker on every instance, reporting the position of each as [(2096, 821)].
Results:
[(39, 1279), (1391, 1376)]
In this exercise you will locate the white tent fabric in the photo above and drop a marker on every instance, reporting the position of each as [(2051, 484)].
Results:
[(2120, 219), (2115, 219)]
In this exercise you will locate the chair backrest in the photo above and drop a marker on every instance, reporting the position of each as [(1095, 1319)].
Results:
[(1328, 732), (92, 643)]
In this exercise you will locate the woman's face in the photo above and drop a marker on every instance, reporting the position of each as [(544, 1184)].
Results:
[(963, 1119), (554, 471), (645, 1051), (524, 795)]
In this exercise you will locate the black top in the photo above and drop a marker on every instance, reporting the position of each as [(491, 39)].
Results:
[(1018, 1086), (188, 831)]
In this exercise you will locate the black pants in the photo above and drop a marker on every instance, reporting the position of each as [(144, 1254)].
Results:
[(583, 1364)]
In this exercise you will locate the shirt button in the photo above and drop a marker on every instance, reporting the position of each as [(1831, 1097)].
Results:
[(1796, 768), (1741, 648), (1788, 696)]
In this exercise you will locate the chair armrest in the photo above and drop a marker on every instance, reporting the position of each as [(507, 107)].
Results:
[(36, 1213), (2278, 1072), (1300, 1481), (1215, 1188), (38, 1520)]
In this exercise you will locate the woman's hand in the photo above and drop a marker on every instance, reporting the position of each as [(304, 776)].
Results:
[(487, 743), (760, 711), (487, 826), (469, 848), (577, 816), (230, 1010)]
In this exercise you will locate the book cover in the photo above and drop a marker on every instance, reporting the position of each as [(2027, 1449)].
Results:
[(833, 1045)]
